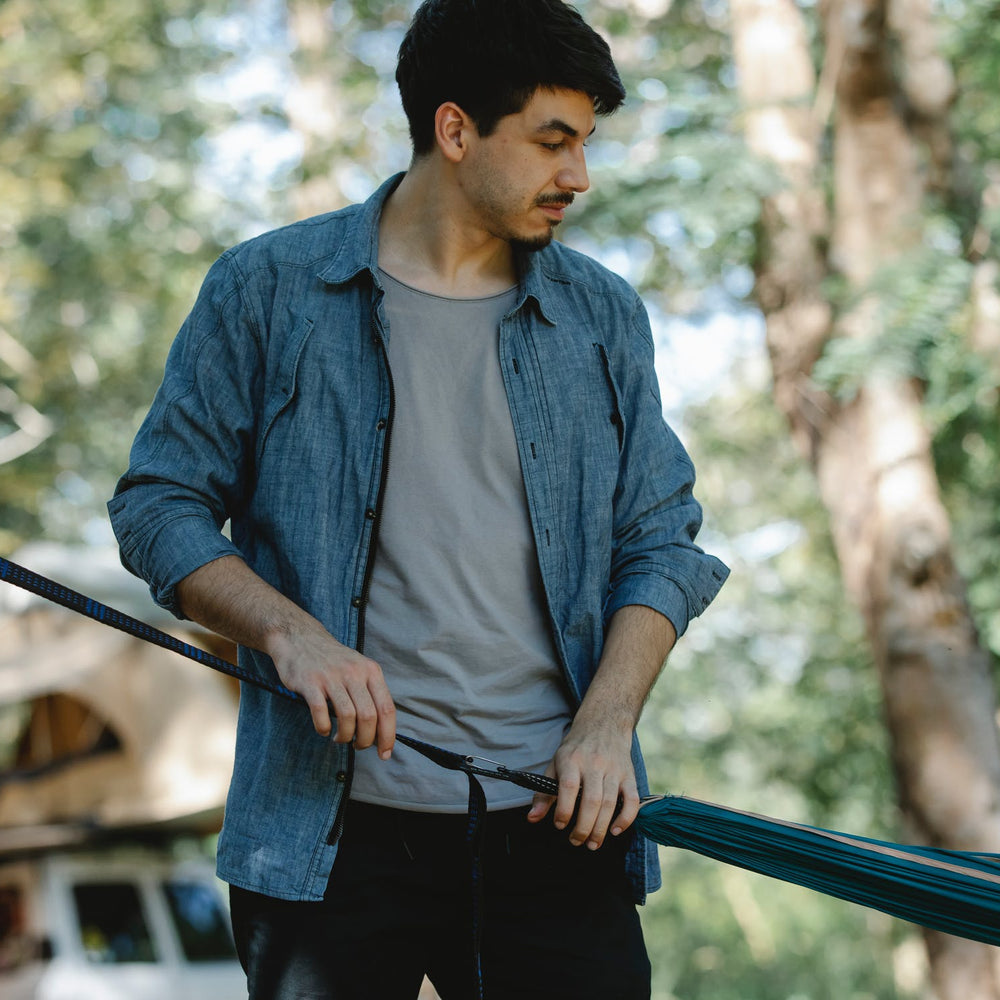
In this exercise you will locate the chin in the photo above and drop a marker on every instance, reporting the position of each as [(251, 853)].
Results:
[(531, 244)]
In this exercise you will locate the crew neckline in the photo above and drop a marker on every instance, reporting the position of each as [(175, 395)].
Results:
[(445, 298)]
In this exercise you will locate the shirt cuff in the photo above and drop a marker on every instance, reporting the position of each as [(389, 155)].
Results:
[(651, 591), (163, 555)]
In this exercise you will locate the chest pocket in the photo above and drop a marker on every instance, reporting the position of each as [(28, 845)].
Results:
[(283, 388), (614, 397), (583, 410)]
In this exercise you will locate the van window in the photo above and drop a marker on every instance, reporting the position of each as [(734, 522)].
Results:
[(113, 926), (202, 923)]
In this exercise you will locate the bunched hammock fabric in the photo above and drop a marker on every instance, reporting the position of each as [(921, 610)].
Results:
[(953, 891), (957, 892)]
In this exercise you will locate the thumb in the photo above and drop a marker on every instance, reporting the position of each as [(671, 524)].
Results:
[(542, 803)]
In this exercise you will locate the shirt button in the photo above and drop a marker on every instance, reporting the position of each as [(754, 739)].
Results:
[(370, 513), (357, 602), (342, 776), (381, 425)]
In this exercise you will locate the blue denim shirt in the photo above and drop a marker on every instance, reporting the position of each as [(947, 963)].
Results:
[(275, 412)]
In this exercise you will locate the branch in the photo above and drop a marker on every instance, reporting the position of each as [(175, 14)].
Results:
[(32, 427)]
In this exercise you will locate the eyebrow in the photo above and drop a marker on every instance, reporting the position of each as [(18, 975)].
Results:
[(558, 125)]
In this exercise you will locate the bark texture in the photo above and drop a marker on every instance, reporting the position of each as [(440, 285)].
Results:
[(888, 93), (314, 106)]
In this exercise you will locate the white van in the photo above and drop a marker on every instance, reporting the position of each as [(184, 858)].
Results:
[(115, 924)]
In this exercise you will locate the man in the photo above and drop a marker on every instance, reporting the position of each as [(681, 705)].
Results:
[(455, 507)]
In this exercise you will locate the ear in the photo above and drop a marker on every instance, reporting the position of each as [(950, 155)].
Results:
[(452, 128)]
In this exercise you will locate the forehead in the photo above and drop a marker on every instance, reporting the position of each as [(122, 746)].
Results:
[(573, 107)]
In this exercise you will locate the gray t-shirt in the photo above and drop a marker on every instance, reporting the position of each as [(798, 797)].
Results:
[(456, 615)]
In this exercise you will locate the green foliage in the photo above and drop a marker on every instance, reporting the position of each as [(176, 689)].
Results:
[(919, 298), (672, 185), (969, 41), (104, 231), (963, 399)]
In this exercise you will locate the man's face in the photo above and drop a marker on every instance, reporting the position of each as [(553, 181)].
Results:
[(519, 180)]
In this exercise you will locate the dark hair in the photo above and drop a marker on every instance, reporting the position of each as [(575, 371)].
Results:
[(490, 56)]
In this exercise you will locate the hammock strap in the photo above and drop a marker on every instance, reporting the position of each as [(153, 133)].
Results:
[(35, 583)]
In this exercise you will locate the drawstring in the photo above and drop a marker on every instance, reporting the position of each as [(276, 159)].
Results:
[(471, 765)]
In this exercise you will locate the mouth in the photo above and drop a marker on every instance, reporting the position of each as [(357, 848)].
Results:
[(554, 206)]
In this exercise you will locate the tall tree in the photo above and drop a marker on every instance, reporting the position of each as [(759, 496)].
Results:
[(889, 93)]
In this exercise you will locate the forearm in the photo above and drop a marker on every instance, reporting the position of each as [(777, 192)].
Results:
[(637, 643), (228, 597)]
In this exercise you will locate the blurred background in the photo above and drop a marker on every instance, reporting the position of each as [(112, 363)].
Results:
[(807, 196)]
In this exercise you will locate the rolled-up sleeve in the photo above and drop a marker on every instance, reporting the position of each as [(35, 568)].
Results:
[(655, 561), (190, 462)]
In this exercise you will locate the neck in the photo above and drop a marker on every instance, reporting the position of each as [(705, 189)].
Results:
[(428, 239)]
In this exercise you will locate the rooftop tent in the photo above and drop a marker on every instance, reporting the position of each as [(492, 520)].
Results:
[(99, 727)]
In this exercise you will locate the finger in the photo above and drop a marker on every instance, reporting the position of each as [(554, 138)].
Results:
[(605, 814), (343, 708), (318, 709), (540, 806), (542, 803), (569, 789), (591, 801), (629, 810), (365, 717), (385, 708), (385, 732)]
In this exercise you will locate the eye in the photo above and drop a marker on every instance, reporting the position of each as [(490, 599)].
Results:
[(553, 147)]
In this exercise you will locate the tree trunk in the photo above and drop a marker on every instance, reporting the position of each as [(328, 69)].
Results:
[(314, 106), (872, 454)]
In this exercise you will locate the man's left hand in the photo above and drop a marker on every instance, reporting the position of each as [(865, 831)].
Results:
[(594, 768)]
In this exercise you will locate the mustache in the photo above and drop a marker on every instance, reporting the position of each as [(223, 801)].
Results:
[(558, 200)]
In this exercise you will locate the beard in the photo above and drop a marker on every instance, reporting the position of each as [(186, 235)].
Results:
[(500, 205), (532, 244)]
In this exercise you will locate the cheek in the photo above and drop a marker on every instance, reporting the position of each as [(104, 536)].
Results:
[(500, 188)]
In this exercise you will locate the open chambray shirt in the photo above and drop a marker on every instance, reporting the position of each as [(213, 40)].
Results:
[(274, 413)]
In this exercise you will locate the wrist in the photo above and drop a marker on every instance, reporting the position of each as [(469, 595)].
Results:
[(610, 723)]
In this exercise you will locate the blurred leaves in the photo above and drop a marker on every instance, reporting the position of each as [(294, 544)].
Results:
[(104, 233), (921, 297)]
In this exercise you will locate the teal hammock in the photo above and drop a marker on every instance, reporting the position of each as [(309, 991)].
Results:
[(957, 892)]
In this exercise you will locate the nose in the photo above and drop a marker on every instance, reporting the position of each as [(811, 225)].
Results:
[(573, 175)]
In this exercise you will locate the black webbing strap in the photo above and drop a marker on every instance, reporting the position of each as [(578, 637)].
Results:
[(89, 608), (474, 836), (474, 831), (34, 583)]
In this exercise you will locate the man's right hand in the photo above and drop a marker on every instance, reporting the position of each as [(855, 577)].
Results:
[(327, 673), (227, 597)]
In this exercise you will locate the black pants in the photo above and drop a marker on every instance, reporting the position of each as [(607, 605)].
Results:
[(557, 920)]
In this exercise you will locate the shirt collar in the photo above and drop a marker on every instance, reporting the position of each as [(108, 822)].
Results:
[(361, 254), (535, 284)]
